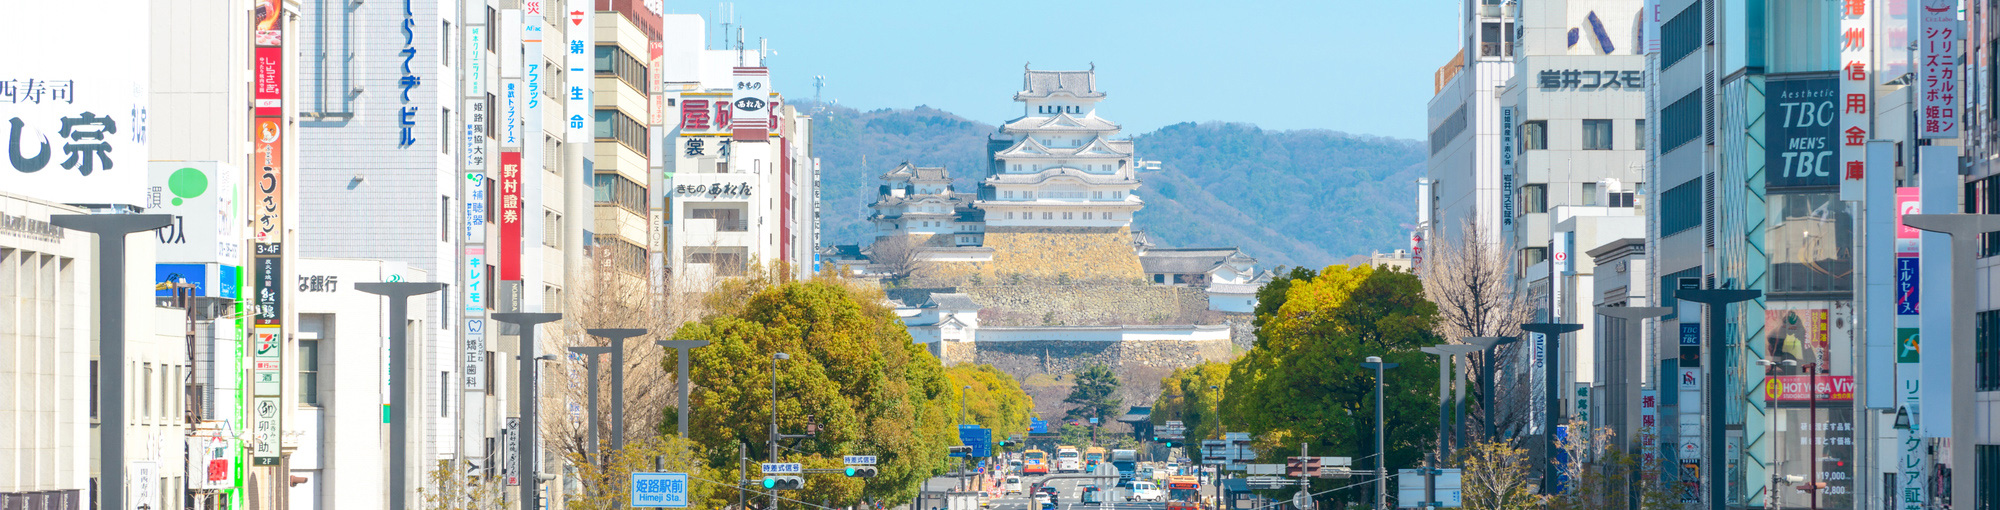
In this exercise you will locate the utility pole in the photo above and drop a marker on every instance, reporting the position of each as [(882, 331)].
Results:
[(681, 376), (1381, 451), (1489, 345), (590, 353)]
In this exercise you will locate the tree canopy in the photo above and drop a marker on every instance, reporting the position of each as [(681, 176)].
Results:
[(995, 401), (853, 375), (1095, 394), (1185, 396), (1303, 381)]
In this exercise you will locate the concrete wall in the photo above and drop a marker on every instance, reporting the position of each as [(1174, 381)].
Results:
[(1046, 253)]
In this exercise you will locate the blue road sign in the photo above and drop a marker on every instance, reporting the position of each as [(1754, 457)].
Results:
[(660, 490), (1037, 426), (979, 438)]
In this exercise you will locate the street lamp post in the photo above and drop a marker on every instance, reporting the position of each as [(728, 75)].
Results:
[(1718, 301), (530, 480), (111, 230), (681, 375), (1381, 451), (400, 378), (1448, 355), (1551, 400), (1964, 230), (1490, 346), (617, 337), (590, 353)]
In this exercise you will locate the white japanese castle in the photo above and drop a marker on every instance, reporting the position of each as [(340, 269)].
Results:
[(1059, 167)]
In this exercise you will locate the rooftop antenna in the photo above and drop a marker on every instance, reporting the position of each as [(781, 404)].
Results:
[(739, 46), (728, 19)]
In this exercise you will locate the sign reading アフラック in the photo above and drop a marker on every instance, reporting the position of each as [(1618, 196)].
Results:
[(75, 128), (1802, 122)]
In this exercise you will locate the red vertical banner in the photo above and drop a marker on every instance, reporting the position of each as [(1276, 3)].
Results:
[(270, 77), (785, 199), (510, 215)]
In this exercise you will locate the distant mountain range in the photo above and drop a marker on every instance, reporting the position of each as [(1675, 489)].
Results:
[(1304, 197)]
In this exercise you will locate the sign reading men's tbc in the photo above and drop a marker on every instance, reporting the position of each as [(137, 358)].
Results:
[(1802, 119)]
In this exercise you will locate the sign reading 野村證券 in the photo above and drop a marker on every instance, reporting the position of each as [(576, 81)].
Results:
[(660, 490)]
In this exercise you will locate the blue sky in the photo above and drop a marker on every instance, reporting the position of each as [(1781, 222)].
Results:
[(1359, 66)]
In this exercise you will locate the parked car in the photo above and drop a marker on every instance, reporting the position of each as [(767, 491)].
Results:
[(1145, 491)]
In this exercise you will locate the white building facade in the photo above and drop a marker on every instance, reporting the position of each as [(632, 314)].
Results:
[(1060, 167), (743, 185)]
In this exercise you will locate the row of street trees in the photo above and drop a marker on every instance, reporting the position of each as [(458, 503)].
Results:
[(1302, 382)]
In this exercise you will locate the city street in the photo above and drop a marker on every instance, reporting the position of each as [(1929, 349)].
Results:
[(1069, 496)]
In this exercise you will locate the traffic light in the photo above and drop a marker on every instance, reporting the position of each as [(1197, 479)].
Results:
[(1295, 466), (784, 483), (861, 471), (961, 451)]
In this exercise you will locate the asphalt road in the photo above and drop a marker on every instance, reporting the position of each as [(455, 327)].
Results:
[(1069, 495)]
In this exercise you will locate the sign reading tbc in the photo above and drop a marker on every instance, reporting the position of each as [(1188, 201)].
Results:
[(1802, 120)]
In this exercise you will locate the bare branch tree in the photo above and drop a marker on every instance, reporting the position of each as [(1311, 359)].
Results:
[(899, 256), (1471, 281), (606, 295)]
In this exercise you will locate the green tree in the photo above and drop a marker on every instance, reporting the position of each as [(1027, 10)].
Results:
[(996, 400), (1186, 396), (1303, 382), (608, 486), (1495, 477), (1095, 394), (853, 376)]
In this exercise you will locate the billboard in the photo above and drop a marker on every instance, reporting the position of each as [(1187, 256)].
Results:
[(1798, 335), (201, 196), (76, 127), (1802, 123), (750, 104)]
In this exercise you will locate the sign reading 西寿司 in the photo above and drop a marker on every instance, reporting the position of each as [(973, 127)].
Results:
[(75, 128), (1802, 125)]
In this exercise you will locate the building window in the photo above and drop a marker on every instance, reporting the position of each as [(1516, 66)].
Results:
[(1048, 215), (1597, 134), (552, 155), (1534, 198), (1534, 135), (1986, 349), (309, 371), (1010, 215), (146, 391), (444, 218), (1681, 121), (615, 125), (1007, 194), (1680, 208), (615, 189), (1988, 469), (1589, 192), (1110, 216), (552, 298), (444, 116), (613, 60), (492, 199), (1117, 195), (1448, 130), (1620, 199), (93, 388), (1067, 215), (492, 117), (1639, 135), (1532, 256), (1680, 36), (1807, 236), (1086, 215), (1097, 195), (552, 229)]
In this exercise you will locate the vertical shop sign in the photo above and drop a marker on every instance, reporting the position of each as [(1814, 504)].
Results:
[(1856, 66), (1938, 81), (749, 121)]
